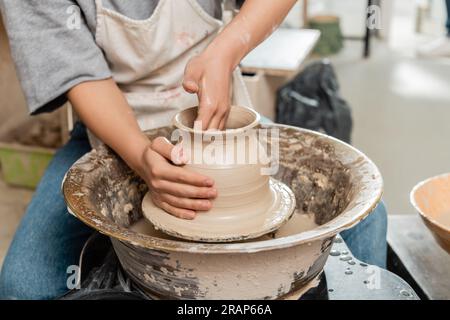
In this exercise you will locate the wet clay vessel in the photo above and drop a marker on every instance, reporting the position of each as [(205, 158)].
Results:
[(249, 204), (431, 198), (335, 185)]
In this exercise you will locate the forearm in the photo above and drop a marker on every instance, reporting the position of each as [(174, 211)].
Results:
[(104, 110), (256, 20)]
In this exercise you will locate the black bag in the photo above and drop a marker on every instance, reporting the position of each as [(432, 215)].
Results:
[(312, 101)]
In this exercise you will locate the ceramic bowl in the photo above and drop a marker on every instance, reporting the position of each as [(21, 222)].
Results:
[(249, 203), (431, 198)]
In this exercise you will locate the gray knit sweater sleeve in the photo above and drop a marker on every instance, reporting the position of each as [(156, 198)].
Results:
[(51, 50)]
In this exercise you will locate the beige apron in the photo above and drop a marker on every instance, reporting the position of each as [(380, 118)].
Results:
[(148, 57)]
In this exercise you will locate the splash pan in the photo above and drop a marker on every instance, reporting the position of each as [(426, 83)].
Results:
[(335, 187)]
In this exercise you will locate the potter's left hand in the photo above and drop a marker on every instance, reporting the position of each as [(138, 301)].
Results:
[(173, 188), (210, 78)]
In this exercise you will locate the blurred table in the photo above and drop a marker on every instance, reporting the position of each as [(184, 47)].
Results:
[(347, 278), (416, 257), (273, 63), (282, 53)]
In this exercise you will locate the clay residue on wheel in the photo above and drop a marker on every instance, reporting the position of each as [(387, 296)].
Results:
[(117, 192), (320, 182)]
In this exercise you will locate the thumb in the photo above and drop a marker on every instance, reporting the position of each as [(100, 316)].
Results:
[(191, 77), (172, 153), (190, 86)]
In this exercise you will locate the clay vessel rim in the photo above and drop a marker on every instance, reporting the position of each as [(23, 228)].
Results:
[(424, 216), (178, 124)]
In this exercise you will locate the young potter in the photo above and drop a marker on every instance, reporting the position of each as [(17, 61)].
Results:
[(125, 66)]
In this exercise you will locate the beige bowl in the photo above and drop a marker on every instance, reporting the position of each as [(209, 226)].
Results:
[(432, 199)]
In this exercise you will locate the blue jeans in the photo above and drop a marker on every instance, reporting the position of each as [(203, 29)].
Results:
[(49, 239), (367, 240)]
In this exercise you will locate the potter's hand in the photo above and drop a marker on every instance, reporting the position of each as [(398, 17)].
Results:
[(103, 108), (210, 78), (209, 74), (174, 189)]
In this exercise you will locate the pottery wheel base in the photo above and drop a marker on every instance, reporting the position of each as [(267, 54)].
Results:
[(205, 228)]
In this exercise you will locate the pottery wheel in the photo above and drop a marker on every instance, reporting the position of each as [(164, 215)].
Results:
[(224, 225)]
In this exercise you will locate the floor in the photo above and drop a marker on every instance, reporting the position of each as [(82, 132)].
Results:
[(401, 110), (401, 104)]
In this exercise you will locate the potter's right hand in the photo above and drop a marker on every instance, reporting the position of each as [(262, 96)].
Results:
[(173, 188)]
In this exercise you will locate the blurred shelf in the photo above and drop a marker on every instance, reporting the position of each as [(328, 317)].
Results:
[(283, 53)]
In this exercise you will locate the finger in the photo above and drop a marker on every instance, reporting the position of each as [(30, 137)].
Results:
[(217, 118), (223, 122), (191, 77), (186, 203), (204, 116), (181, 175), (190, 86), (177, 212), (162, 146), (206, 108), (225, 111), (176, 153), (183, 190), (215, 121)]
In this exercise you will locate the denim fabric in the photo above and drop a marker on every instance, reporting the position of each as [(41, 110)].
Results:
[(367, 240), (48, 239)]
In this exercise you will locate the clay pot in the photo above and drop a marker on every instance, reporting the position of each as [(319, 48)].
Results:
[(249, 204), (431, 198)]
